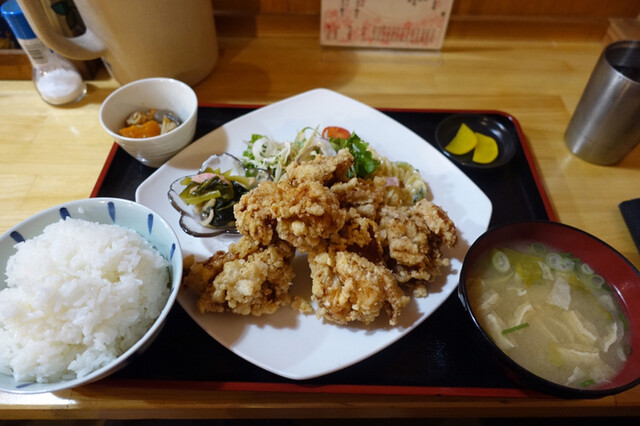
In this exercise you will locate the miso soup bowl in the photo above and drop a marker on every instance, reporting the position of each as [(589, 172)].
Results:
[(604, 260)]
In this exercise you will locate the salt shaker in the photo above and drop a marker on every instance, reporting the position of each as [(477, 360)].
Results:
[(56, 79)]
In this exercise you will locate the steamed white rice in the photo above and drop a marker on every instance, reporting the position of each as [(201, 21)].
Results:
[(78, 296)]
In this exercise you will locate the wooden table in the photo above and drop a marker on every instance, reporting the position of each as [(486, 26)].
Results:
[(52, 155)]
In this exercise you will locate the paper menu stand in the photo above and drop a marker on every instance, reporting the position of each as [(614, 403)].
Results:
[(401, 24)]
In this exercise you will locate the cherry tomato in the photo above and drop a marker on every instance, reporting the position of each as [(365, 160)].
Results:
[(335, 132)]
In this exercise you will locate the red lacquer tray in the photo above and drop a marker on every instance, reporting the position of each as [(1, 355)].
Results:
[(441, 356)]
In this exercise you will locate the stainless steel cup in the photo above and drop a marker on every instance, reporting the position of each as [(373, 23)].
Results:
[(605, 126)]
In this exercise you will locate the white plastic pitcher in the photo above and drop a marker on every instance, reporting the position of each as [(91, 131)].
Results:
[(137, 38)]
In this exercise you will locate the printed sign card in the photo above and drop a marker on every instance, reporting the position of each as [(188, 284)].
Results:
[(405, 24)]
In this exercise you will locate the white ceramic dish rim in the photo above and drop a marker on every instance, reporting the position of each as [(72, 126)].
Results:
[(37, 223), (288, 343)]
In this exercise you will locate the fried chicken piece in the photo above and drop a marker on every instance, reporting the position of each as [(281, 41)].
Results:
[(199, 275), (254, 217), (359, 235), (249, 279), (307, 215), (365, 196), (348, 287), (438, 221), (325, 169), (300, 209), (413, 238)]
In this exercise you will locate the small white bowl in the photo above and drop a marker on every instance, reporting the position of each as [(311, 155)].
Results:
[(142, 95), (128, 214)]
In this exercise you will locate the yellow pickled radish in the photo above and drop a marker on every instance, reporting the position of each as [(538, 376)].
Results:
[(486, 149), (464, 141)]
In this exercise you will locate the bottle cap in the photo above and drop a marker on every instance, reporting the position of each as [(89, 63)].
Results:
[(15, 18)]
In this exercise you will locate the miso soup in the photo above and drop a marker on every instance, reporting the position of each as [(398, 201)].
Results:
[(550, 313)]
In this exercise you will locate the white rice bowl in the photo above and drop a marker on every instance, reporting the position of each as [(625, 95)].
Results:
[(78, 296), (106, 210)]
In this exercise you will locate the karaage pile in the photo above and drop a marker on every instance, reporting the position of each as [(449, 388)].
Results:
[(365, 256)]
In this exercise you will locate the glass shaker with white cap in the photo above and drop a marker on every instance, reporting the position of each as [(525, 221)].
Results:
[(56, 79)]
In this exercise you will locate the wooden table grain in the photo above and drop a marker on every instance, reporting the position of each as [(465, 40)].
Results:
[(51, 155)]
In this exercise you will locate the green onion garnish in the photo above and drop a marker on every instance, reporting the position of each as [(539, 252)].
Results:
[(587, 383), (625, 323), (515, 328)]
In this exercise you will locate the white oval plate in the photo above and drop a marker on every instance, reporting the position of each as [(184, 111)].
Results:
[(289, 343)]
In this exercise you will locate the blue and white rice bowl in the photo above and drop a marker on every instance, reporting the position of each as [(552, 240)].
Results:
[(127, 214)]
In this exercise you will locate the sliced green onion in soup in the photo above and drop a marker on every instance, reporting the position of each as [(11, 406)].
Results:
[(515, 328), (500, 261), (559, 263), (625, 322), (596, 281), (538, 249), (586, 269)]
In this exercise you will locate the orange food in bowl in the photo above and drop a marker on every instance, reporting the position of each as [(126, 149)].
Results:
[(149, 129)]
